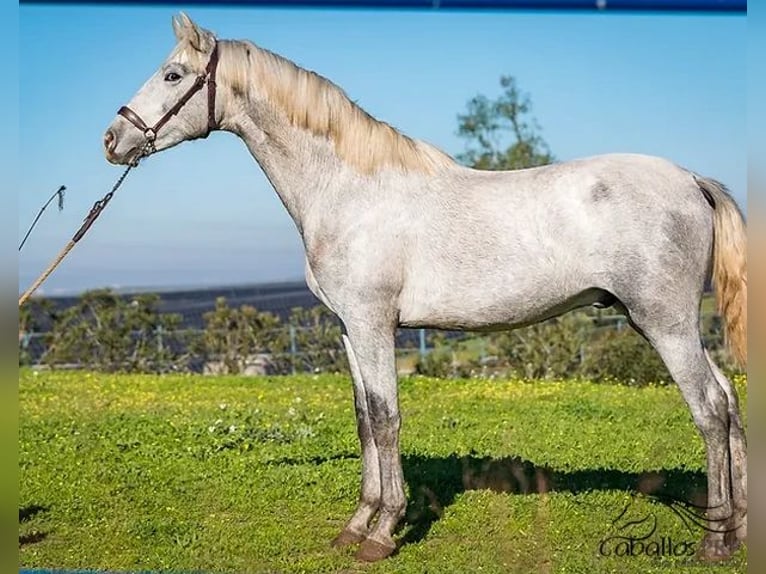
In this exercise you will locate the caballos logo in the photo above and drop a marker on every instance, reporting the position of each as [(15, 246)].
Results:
[(639, 536)]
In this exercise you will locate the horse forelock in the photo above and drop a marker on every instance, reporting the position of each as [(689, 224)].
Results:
[(185, 54), (315, 104)]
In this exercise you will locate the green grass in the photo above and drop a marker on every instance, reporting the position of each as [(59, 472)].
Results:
[(227, 474)]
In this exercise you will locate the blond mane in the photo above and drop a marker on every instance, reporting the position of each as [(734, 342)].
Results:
[(314, 103)]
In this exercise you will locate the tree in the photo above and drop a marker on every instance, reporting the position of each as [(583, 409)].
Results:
[(487, 123), (106, 332)]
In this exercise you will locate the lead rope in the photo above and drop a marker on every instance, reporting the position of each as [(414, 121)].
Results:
[(95, 211)]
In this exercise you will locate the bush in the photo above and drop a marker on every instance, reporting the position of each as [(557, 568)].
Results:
[(551, 349), (439, 361), (318, 343), (624, 356), (233, 338), (449, 358), (31, 317), (436, 363)]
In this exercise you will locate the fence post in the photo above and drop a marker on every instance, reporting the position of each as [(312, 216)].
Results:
[(159, 338), (293, 348), (423, 348)]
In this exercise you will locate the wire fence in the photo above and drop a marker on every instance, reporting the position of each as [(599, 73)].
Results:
[(295, 355), (410, 342), (203, 333)]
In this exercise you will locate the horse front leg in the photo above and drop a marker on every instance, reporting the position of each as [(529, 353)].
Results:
[(372, 344), (358, 526)]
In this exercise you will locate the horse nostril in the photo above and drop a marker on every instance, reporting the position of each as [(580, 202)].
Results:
[(110, 141)]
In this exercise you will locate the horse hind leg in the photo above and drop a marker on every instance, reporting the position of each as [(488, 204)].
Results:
[(679, 345), (738, 459)]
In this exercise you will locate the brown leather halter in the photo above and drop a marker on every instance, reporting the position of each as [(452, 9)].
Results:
[(208, 77)]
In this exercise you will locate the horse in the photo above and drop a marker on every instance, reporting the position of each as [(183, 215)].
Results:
[(397, 233)]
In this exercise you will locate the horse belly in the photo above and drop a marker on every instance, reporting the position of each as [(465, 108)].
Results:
[(486, 303)]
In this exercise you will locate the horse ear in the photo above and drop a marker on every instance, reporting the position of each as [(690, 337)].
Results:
[(178, 27), (199, 38)]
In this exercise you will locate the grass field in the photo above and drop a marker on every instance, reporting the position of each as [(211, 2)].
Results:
[(239, 475)]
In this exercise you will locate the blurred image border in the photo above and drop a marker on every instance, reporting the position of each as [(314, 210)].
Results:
[(756, 212), (9, 99)]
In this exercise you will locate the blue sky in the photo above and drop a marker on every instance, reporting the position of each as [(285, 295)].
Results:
[(204, 214)]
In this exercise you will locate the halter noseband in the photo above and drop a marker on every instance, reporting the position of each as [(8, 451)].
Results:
[(208, 77)]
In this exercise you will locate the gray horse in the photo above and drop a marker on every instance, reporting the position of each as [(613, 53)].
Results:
[(398, 234)]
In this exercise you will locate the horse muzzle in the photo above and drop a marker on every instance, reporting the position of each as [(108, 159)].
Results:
[(119, 148)]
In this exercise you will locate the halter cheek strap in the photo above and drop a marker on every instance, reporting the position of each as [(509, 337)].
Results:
[(208, 77)]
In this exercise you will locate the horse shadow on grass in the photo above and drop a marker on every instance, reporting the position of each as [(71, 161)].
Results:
[(435, 482), (26, 514)]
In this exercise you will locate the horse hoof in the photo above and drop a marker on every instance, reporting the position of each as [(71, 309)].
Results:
[(373, 551), (714, 549), (347, 538)]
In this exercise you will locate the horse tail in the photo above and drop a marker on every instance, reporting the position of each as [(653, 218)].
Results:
[(729, 265)]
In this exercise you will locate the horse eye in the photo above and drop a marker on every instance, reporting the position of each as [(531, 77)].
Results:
[(172, 77)]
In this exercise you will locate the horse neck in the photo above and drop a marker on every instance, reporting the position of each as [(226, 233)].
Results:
[(303, 168)]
